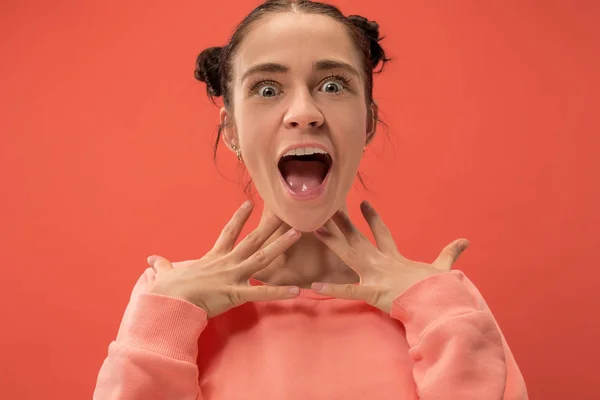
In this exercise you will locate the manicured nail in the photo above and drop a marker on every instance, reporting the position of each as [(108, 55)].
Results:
[(294, 290), (317, 286)]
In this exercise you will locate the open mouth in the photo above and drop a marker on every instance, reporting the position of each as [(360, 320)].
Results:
[(304, 170)]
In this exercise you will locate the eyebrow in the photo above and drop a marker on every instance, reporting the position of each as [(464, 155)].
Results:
[(321, 65)]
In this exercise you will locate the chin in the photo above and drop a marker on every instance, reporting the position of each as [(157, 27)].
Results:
[(306, 216), (305, 222)]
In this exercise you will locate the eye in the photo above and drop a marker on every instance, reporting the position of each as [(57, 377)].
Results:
[(335, 84), (332, 87), (267, 91), (265, 88)]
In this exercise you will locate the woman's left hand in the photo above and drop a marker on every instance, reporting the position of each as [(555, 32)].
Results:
[(384, 273)]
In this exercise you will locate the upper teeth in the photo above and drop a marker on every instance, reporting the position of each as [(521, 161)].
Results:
[(304, 151)]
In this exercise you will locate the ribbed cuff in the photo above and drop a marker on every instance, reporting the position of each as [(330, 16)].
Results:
[(435, 298), (166, 325)]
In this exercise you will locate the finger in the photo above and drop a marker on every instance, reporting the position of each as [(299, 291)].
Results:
[(265, 256), (381, 233), (255, 239), (338, 244), (159, 264), (184, 264), (331, 227), (266, 293), (346, 291), (450, 254), (232, 230), (354, 237)]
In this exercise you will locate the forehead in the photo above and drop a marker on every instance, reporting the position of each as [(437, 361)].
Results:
[(296, 40)]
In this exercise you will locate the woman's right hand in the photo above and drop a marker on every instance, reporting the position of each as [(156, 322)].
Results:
[(219, 281)]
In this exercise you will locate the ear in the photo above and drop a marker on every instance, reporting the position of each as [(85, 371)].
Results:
[(228, 133), (372, 122)]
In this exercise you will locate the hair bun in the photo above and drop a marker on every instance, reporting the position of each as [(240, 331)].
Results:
[(371, 31), (370, 28), (208, 70)]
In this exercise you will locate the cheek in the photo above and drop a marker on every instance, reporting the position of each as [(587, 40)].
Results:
[(258, 125), (351, 128), (256, 133), (254, 144)]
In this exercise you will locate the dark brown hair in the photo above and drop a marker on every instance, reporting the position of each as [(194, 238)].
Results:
[(214, 65)]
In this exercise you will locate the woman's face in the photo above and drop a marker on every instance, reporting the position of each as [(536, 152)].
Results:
[(297, 85)]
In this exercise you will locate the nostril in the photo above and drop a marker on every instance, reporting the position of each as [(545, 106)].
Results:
[(296, 124)]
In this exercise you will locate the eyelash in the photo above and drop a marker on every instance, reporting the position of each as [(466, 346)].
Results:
[(345, 80)]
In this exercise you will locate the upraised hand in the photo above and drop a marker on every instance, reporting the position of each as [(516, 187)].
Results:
[(384, 272), (219, 281)]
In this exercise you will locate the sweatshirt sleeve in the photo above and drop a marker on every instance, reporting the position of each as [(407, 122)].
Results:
[(455, 343), (154, 354)]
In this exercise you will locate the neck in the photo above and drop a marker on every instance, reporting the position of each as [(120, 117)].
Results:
[(307, 261)]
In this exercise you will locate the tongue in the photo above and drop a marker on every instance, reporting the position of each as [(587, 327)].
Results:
[(303, 175)]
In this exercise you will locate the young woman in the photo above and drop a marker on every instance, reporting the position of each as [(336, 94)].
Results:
[(304, 307)]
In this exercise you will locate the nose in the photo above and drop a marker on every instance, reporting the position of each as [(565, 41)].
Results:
[(303, 113)]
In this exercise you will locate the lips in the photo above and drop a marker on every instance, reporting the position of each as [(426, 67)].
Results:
[(314, 146)]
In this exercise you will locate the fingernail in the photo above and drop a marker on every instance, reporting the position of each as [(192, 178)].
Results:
[(322, 230), (293, 232), (317, 286), (367, 204), (247, 205), (294, 290)]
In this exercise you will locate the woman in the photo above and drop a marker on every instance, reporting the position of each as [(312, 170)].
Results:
[(305, 307)]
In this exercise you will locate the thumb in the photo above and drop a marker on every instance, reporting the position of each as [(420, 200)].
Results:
[(450, 253), (345, 291), (159, 264), (267, 293)]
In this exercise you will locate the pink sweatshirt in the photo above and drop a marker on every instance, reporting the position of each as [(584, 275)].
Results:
[(440, 341)]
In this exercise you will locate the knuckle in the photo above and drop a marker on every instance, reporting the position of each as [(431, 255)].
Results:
[(349, 290), (352, 254), (375, 260), (355, 237), (375, 297), (452, 253), (233, 296), (383, 228), (262, 291), (228, 231), (260, 257), (252, 238)]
